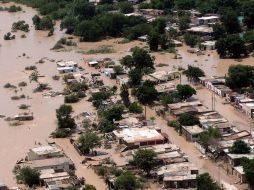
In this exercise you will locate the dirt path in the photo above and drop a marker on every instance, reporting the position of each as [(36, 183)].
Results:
[(81, 170), (234, 117)]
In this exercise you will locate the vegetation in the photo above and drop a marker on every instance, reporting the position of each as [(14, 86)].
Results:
[(27, 176), (127, 181), (144, 159), (98, 97), (125, 95), (185, 91), (207, 137), (240, 76), (193, 73), (147, 93), (44, 23), (205, 182), (89, 187), (20, 25), (88, 141), (114, 113), (64, 117), (248, 168), (239, 147), (187, 119), (135, 108)]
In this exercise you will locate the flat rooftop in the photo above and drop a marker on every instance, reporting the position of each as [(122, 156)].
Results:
[(136, 135), (193, 129), (49, 162), (44, 150)]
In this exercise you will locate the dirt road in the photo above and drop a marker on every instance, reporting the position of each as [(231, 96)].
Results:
[(81, 170)]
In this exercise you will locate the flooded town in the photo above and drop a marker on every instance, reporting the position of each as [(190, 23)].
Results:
[(126, 95)]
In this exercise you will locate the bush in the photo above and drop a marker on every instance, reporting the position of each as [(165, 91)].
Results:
[(20, 25), (22, 84), (73, 98), (23, 106), (61, 133), (31, 68), (187, 119), (135, 108), (8, 85)]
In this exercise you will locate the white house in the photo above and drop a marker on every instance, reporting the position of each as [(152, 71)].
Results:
[(43, 152)]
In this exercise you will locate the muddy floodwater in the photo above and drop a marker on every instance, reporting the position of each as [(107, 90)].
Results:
[(16, 54)]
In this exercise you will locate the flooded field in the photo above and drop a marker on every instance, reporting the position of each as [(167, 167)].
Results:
[(16, 54)]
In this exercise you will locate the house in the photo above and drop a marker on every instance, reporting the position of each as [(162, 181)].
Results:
[(191, 133), (43, 152), (239, 173), (191, 109), (152, 12), (238, 135), (93, 63), (183, 104), (235, 159), (67, 64), (201, 30), (208, 45), (59, 164), (139, 137), (178, 175), (248, 109), (163, 76), (207, 20), (122, 79), (166, 87), (24, 117), (67, 69)]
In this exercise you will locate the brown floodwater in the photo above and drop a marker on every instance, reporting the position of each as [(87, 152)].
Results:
[(15, 141)]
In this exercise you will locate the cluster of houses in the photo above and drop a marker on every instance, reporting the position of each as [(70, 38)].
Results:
[(243, 102), (57, 171), (174, 170)]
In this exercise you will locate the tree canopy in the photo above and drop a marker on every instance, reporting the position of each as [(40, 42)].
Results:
[(88, 141), (144, 159), (239, 147), (147, 93), (127, 181), (205, 182), (193, 73), (185, 91), (64, 118), (28, 176), (187, 119)]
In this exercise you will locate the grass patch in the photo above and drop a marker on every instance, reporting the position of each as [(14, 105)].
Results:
[(105, 49)]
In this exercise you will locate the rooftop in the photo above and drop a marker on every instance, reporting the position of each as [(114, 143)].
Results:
[(193, 129), (44, 150), (49, 162), (135, 135)]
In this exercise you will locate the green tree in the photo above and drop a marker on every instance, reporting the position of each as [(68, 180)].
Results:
[(98, 97), (185, 91), (193, 73), (114, 113), (207, 136), (153, 41), (69, 23), (239, 147), (219, 31), (240, 76), (248, 168), (144, 159), (89, 187), (184, 22), (127, 61), (64, 118), (125, 95), (126, 7), (190, 40), (126, 181), (187, 119), (135, 108), (36, 21), (147, 93), (89, 30), (135, 77), (83, 9), (88, 141), (142, 59), (230, 21), (28, 176), (163, 41), (106, 126), (205, 182), (118, 69)]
